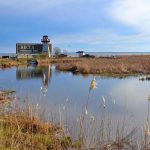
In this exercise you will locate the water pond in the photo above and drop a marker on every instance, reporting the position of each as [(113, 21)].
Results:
[(56, 92)]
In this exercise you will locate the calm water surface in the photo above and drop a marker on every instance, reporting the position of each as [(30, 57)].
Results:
[(55, 91)]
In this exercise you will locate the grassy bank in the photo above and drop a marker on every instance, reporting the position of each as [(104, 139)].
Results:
[(19, 129), (120, 65), (7, 63)]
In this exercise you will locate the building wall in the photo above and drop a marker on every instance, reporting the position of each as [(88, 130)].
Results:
[(33, 49), (28, 48)]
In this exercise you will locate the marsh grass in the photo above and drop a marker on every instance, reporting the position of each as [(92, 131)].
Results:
[(21, 128), (24, 127), (27, 126), (7, 96), (7, 63), (120, 65), (116, 66)]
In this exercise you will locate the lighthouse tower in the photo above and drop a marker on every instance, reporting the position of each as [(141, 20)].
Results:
[(46, 45)]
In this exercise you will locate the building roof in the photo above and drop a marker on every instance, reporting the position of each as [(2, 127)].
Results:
[(45, 35), (80, 52), (29, 43)]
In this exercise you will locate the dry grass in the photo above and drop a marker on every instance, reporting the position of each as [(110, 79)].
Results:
[(22, 132), (7, 63), (21, 128), (6, 96), (102, 65), (117, 65)]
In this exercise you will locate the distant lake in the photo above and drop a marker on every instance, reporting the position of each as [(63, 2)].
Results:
[(52, 90), (111, 53)]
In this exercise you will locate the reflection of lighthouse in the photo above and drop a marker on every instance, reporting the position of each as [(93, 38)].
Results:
[(44, 73), (46, 45), (47, 73)]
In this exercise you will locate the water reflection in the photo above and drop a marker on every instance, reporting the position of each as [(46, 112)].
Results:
[(33, 72), (129, 95)]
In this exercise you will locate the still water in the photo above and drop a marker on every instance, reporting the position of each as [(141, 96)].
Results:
[(52, 90)]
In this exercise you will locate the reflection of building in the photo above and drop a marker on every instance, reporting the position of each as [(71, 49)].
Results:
[(45, 73), (34, 48)]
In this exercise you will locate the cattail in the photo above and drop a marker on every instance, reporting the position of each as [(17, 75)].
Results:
[(114, 102), (60, 117), (86, 112), (93, 84), (147, 130), (104, 101), (148, 97)]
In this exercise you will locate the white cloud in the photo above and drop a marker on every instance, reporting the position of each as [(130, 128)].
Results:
[(134, 13), (106, 41), (100, 37)]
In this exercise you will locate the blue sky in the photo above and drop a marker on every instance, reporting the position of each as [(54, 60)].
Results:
[(90, 25)]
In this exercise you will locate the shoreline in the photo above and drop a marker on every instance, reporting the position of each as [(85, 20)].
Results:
[(118, 65)]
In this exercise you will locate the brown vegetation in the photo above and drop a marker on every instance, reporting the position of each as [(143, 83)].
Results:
[(8, 62), (127, 65), (6, 96), (21, 128), (110, 65), (23, 132)]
